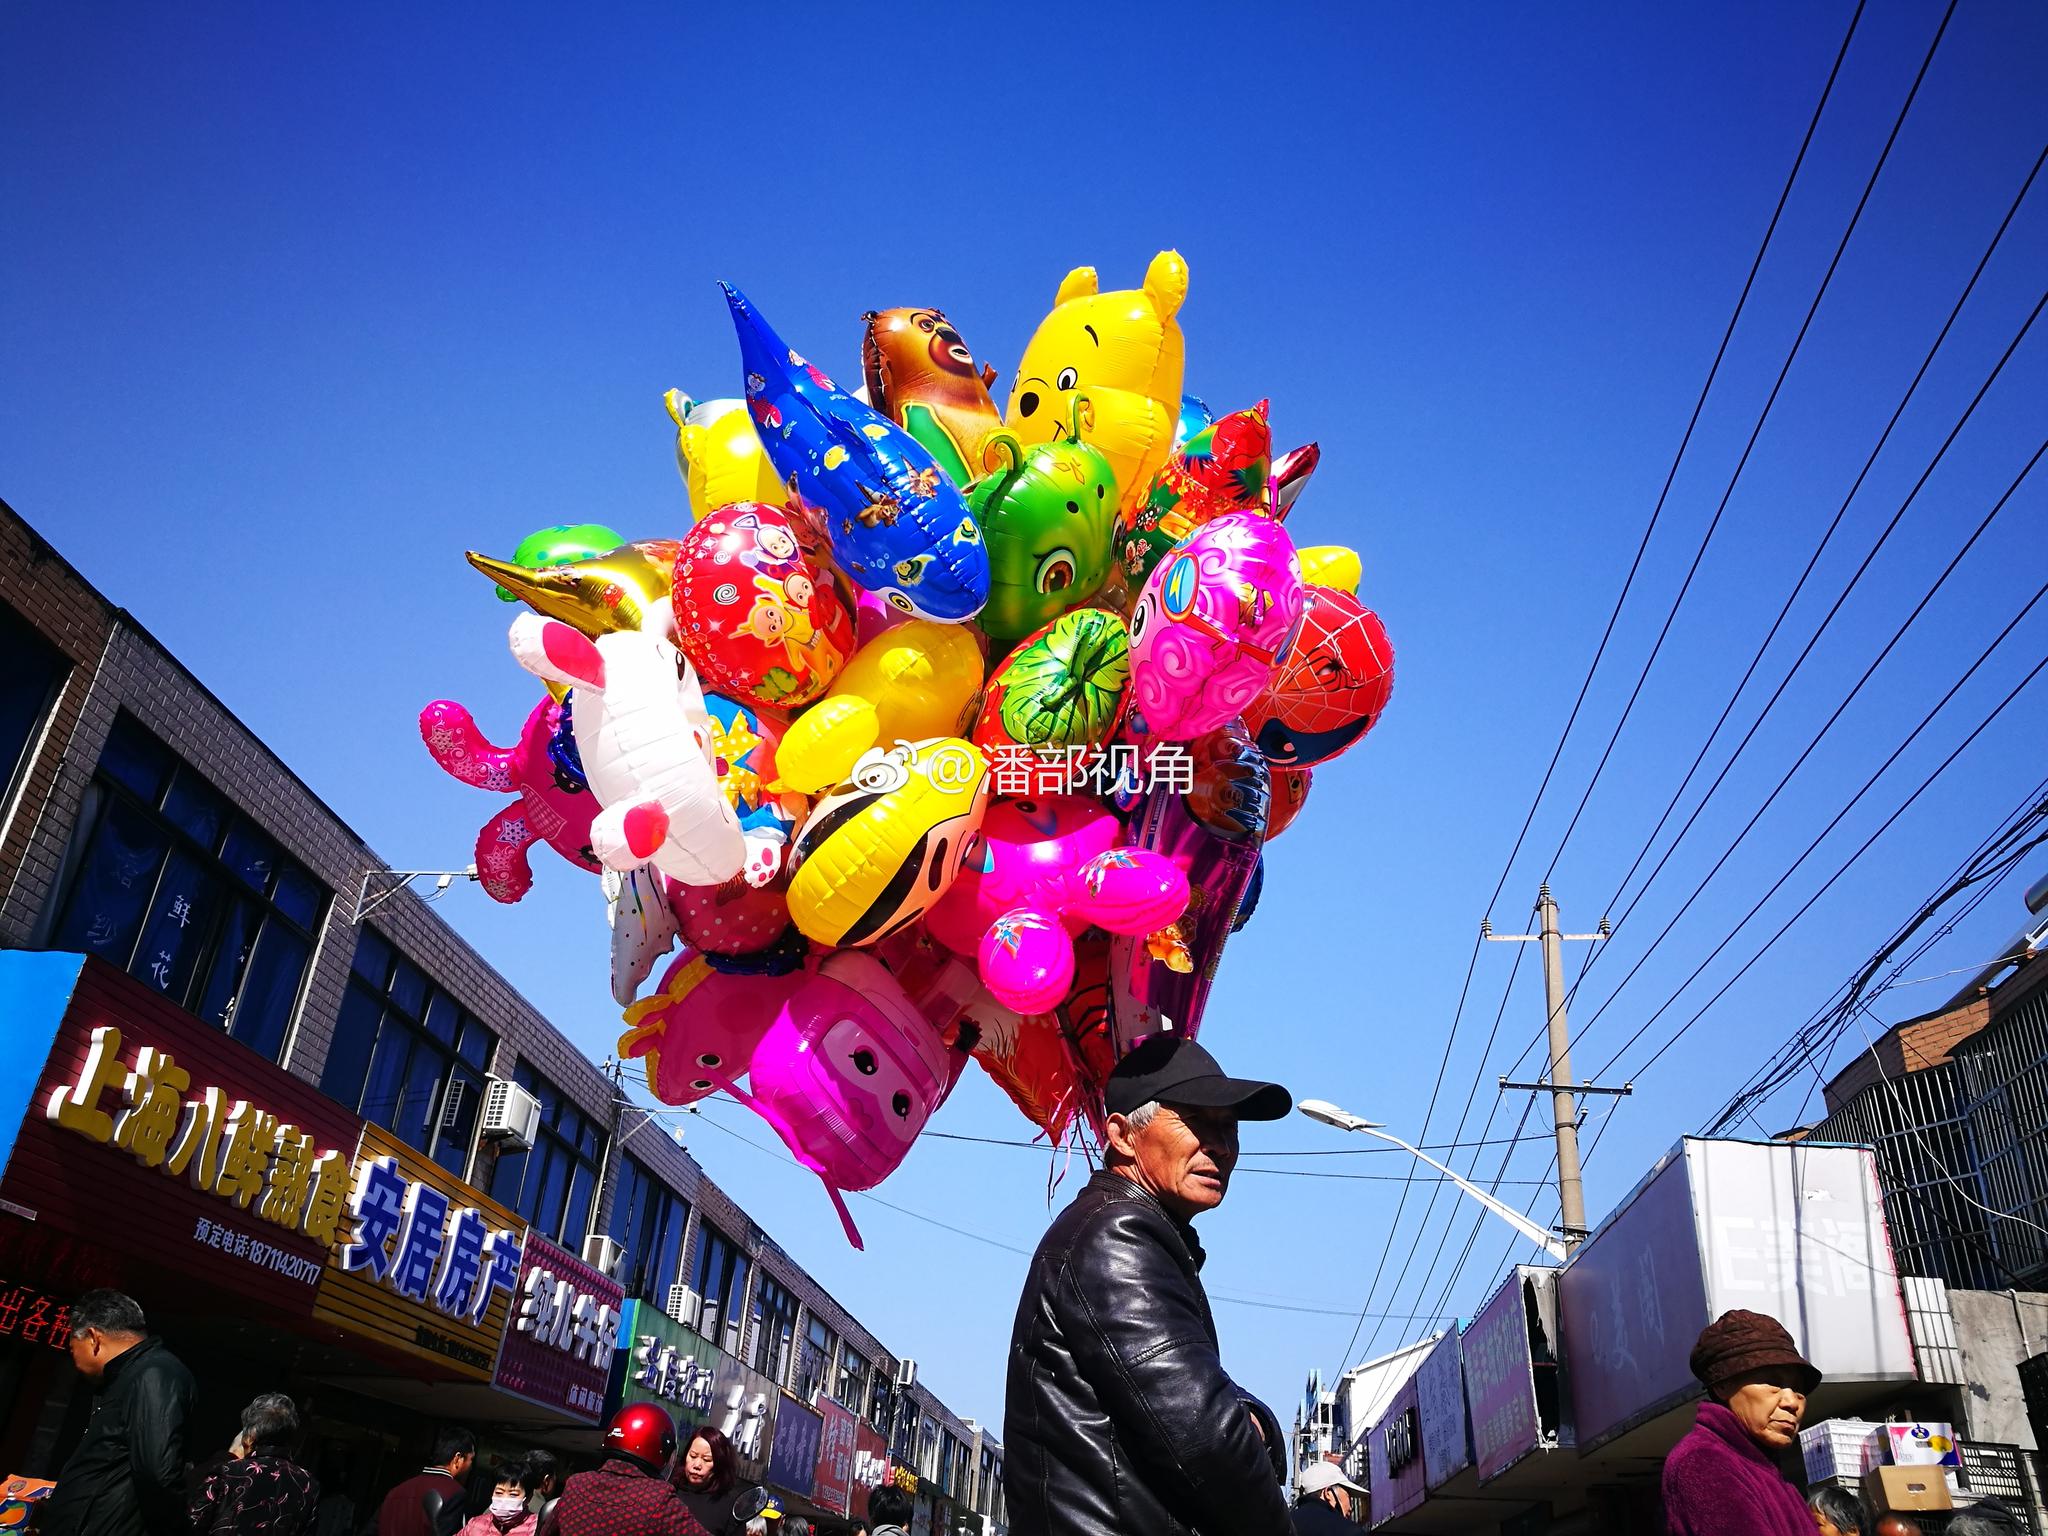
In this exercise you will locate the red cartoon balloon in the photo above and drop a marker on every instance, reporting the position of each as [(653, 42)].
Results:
[(754, 615), (1333, 686)]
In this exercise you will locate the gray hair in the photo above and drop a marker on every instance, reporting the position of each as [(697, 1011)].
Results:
[(272, 1419), (108, 1312), (1141, 1117)]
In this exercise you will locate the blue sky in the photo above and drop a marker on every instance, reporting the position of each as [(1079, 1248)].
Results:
[(300, 303)]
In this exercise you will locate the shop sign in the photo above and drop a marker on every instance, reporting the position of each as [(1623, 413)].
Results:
[(896, 1475), (171, 1147), (30, 1316), (424, 1264), (1500, 1382), (1440, 1411), (870, 1466), (1791, 1230), (1394, 1454), (565, 1329), (663, 1362), (832, 1476), (793, 1463)]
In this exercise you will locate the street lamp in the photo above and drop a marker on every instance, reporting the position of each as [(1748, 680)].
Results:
[(1344, 1120)]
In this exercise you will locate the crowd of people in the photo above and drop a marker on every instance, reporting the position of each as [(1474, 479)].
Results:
[(1120, 1414)]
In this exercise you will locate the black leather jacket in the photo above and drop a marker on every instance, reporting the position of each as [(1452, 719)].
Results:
[(1119, 1416), (127, 1477)]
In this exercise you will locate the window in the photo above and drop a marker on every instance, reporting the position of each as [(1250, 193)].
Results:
[(984, 1493), (773, 1338), (945, 1474), (407, 1055), (554, 1184), (721, 1280), (879, 1391), (649, 1220), (820, 1358), (182, 891), (928, 1447), (852, 1387), (28, 687)]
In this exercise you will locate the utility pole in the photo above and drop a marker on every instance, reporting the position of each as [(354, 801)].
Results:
[(1571, 1193)]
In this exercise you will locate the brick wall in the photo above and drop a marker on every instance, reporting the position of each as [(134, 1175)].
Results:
[(1913, 1046)]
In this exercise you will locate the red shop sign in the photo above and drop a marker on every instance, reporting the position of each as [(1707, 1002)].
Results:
[(562, 1334)]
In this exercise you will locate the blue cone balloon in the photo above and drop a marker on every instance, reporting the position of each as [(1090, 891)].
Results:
[(899, 526)]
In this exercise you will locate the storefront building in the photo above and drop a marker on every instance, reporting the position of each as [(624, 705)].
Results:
[(248, 1071)]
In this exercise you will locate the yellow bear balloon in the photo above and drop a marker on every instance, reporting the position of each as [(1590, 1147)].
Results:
[(719, 454), (1124, 351), (922, 677)]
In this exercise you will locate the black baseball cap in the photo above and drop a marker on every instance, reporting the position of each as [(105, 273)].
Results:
[(1174, 1070)]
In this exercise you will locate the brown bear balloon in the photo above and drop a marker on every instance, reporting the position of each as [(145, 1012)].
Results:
[(922, 377)]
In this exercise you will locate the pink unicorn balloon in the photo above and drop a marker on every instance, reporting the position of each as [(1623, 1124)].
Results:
[(1217, 615), (700, 1027), (1044, 870), (847, 1074), (553, 806)]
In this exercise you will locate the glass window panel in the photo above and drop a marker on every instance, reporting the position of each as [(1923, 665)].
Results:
[(508, 1179), (355, 1036), (667, 1261), (299, 896), (628, 1215), (576, 1222), (196, 808), (408, 987), (135, 758), (455, 1123), (234, 942), (181, 915), (387, 1073), (475, 1046), (373, 958), (421, 1097), (114, 883), (443, 1018), (250, 855), (548, 1209), (28, 685), (264, 1010)]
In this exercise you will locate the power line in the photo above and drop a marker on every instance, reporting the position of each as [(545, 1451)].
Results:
[(1714, 522), (1868, 672), (1614, 615), (1820, 549)]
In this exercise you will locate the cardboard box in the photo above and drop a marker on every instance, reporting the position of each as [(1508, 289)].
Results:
[(1895, 1490)]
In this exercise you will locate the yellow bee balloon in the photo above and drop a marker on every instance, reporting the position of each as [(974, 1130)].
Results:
[(720, 455), (1124, 350), (881, 848), (921, 676), (823, 743)]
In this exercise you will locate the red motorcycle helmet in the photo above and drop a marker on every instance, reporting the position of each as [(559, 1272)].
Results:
[(644, 1432)]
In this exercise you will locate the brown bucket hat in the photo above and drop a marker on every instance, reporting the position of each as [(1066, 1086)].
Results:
[(1739, 1342)]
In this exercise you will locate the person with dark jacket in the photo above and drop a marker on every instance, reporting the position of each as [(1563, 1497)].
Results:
[(127, 1477), (630, 1494), (1727, 1476), (1324, 1504), (707, 1475), (262, 1492), (434, 1501), (1120, 1416)]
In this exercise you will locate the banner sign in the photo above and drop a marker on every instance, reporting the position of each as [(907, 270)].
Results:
[(565, 1330), (793, 1463), (838, 1438), (1440, 1406), (663, 1362)]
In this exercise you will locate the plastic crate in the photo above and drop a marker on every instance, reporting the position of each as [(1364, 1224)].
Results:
[(1837, 1447), (1990, 1469)]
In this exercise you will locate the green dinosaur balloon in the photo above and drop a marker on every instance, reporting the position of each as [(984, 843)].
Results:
[(562, 544), (1048, 516)]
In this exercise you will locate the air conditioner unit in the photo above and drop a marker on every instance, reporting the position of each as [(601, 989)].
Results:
[(603, 1253), (684, 1305), (906, 1375), (511, 1115)]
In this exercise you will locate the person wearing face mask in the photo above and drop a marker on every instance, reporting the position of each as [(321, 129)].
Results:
[(707, 1476), (512, 1483), (1119, 1414), (1727, 1477)]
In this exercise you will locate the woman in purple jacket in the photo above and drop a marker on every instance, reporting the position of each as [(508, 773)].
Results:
[(1725, 1477)]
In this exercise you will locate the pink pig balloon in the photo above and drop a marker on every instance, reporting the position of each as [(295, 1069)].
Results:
[(847, 1074), (1044, 870), (1217, 615), (552, 808), (701, 1027)]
